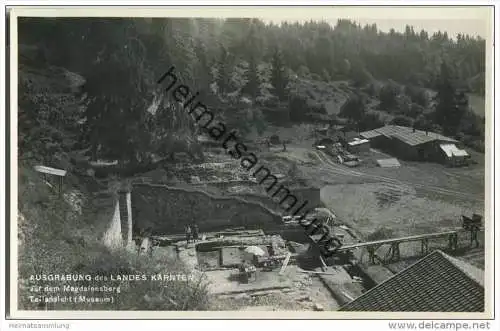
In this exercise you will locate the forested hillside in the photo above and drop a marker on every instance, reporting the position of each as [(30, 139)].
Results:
[(89, 91), (242, 68)]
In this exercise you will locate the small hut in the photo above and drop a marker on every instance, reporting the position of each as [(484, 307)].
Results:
[(52, 176)]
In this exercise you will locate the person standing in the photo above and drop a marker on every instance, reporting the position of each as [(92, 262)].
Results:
[(195, 232), (188, 234)]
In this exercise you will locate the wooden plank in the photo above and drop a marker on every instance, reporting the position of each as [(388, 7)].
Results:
[(323, 264), (347, 295), (50, 171), (402, 239), (285, 263), (318, 272), (253, 290)]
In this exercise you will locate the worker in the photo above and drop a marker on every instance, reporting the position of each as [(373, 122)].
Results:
[(272, 250), (195, 232), (188, 234)]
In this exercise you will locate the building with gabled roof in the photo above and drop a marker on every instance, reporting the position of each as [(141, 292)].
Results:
[(417, 145), (408, 135), (435, 283)]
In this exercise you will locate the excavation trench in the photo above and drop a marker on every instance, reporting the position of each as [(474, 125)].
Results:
[(166, 211)]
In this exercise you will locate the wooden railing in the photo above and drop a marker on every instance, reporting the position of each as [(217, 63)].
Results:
[(393, 253)]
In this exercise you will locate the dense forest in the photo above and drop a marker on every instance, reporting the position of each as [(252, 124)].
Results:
[(242, 68)]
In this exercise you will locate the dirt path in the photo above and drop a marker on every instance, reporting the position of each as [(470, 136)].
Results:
[(332, 167)]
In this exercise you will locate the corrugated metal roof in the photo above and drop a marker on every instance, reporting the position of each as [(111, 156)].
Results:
[(406, 134), (389, 163), (452, 150), (370, 134), (436, 283)]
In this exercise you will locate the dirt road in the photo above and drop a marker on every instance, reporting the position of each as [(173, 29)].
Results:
[(337, 169)]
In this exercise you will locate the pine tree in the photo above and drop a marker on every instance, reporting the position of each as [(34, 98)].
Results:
[(354, 109), (224, 69), (202, 68), (451, 105), (252, 78), (279, 79), (50, 116), (184, 56), (461, 108), (119, 94)]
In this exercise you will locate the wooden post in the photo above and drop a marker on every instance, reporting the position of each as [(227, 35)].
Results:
[(395, 251), (425, 243), (473, 235), (287, 259), (371, 253), (389, 255), (323, 264)]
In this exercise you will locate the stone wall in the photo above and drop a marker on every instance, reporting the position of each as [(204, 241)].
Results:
[(167, 209)]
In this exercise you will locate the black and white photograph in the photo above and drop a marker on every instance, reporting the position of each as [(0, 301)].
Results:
[(250, 162)]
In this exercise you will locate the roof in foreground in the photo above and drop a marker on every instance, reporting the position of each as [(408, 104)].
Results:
[(406, 135), (435, 283)]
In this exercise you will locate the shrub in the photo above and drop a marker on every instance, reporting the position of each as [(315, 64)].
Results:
[(326, 75), (417, 95), (371, 90), (415, 110), (472, 124), (56, 239), (303, 72), (403, 105), (402, 120), (388, 96), (274, 139), (315, 76), (475, 143), (370, 121), (354, 108), (360, 75)]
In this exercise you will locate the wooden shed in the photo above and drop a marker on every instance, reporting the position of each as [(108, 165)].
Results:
[(358, 146), (52, 176)]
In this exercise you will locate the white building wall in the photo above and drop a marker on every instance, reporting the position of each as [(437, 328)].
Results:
[(113, 237), (129, 212)]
